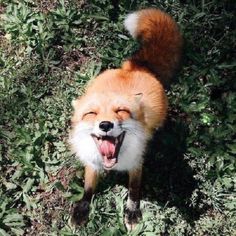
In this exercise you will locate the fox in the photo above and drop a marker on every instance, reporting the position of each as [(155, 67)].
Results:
[(116, 117)]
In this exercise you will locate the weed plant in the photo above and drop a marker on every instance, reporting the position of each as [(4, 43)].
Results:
[(49, 50)]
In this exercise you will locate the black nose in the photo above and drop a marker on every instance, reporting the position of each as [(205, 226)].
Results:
[(106, 125)]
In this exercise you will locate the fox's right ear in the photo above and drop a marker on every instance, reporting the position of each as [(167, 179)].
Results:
[(138, 97), (73, 103)]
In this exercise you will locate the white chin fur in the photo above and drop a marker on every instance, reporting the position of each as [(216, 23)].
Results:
[(84, 147), (131, 23), (131, 151)]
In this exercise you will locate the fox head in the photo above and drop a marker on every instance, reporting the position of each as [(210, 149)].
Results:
[(107, 130), (115, 118)]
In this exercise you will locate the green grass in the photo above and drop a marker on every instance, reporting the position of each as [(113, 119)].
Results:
[(48, 51)]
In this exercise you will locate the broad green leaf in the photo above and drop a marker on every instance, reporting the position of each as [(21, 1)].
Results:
[(28, 185), (3, 233)]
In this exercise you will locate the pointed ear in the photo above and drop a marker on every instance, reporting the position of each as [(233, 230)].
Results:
[(73, 103), (138, 97)]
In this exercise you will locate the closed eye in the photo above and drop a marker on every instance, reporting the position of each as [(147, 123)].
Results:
[(89, 114), (123, 109)]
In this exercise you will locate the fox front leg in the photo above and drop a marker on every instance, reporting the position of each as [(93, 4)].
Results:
[(81, 209), (132, 211)]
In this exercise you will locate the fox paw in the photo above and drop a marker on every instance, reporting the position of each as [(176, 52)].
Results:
[(80, 213), (132, 217)]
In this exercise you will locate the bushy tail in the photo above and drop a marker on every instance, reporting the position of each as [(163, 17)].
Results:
[(161, 42)]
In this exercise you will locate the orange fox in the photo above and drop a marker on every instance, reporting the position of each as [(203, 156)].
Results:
[(121, 109)]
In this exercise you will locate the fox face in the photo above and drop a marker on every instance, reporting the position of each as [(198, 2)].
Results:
[(108, 133)]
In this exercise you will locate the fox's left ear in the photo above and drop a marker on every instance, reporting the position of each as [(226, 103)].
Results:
[(138, 97)]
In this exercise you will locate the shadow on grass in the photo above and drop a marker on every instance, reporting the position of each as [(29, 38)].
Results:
[(168, 178)]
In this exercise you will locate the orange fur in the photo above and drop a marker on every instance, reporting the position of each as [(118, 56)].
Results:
[(161, 44), (160, 53), (91, 179), (122, 82)]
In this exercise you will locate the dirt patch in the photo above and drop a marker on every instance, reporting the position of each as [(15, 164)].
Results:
[(54, 208), (46, 6), (74, 59)]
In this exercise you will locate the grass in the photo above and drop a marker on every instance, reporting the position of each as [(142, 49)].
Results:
[(48, 52)]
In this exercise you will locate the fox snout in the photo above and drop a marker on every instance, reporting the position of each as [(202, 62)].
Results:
[(106, 126)]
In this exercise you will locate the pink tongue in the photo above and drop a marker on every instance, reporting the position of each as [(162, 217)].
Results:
[(107, 148)]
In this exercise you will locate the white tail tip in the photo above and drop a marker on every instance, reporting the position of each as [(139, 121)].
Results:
[(131, 23)]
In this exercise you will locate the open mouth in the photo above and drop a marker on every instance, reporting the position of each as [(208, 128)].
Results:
[(109, 148)]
